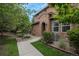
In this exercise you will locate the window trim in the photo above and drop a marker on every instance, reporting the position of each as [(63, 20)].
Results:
[(65, 25), (55, 26), (59, 27)]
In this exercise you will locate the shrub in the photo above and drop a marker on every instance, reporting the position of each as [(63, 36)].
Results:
[(48, 37), (73, 36), (62, 44)]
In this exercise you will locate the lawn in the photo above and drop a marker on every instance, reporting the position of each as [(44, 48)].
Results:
[(48, 51), (8, 46)]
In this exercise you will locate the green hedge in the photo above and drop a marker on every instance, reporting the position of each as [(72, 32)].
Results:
[(73, 36), (48, 37)]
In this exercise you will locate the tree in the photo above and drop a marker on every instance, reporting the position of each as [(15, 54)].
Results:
[(11, 16), (67, 13), (24, 25), (7, 17)]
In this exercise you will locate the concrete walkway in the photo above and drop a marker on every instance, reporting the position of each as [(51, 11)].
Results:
[(24, 46), (26, 49), (34, 39)]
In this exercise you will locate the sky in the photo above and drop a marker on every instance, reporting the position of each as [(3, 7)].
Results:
[(35, 6)]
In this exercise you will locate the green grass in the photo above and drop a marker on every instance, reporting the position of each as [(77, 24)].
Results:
[(8, 46), (48, 51)]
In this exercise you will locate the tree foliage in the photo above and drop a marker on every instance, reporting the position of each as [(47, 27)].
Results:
[(13, 17), (66, 12)]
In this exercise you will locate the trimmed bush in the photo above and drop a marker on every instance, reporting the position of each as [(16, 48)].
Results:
[(73, 36), (48, 37)]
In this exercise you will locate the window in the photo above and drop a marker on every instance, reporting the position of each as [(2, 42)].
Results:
[(55, 26), (65, 27)]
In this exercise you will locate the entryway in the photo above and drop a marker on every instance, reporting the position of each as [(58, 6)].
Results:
[(43, 27)]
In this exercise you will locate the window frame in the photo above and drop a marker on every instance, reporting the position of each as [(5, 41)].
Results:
[(64, 25), (55, 26)]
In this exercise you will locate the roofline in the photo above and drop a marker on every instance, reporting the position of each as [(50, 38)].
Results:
[(41, 10)]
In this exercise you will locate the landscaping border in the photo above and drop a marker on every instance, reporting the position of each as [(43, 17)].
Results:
[(62, 50)]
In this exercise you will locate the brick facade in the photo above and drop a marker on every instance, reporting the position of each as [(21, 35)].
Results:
[(42, 17)]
